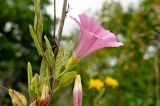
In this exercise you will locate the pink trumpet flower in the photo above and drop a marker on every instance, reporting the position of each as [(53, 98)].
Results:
[(93, 37)]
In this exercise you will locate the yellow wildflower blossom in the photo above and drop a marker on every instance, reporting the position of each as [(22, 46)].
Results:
[(111, 82), (96, 83)]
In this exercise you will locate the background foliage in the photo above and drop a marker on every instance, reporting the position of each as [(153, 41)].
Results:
[(134, 65), (17, 46)]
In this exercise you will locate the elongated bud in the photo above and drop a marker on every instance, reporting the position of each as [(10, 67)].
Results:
[(45, 96), (77, 91), (17, 98)]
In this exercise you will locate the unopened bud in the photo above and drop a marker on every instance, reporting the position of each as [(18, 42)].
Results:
[(45, 96), (77, 91), (17, 98)]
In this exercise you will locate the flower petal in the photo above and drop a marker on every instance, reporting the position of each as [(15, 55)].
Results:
[(107, 41), (86, 41), (91, 25)]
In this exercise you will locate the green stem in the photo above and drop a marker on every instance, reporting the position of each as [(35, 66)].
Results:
[(156, 68), (59, 35)]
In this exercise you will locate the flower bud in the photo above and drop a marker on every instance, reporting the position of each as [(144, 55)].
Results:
[(77, 92), (17, 98), (45, 96)]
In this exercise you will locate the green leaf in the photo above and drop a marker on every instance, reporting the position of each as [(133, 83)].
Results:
[(45, 72), (67, 78), (47, 43), (59, 60), (36, 41), (29, 71), (49, 54), (38, 20), (50, 58)]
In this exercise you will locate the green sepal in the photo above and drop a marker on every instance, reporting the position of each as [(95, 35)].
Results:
[(71, 63), (66, 78)]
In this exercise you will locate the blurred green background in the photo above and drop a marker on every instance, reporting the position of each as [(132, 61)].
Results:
[(135, 65)]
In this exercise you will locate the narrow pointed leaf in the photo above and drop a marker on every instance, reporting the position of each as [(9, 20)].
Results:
[(47, 42), (29, 71), (49, 54), (38, 20), (50, 58), (36, 41)]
